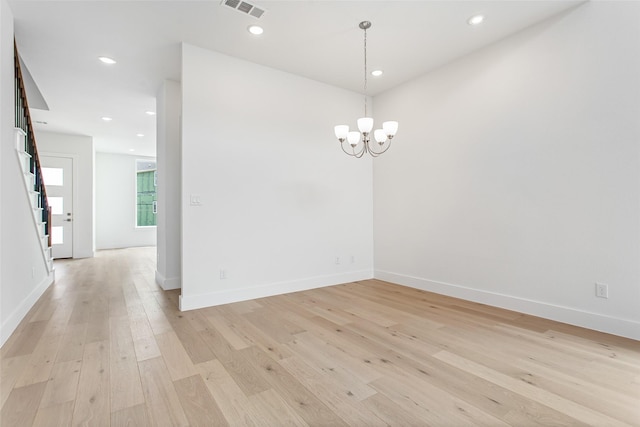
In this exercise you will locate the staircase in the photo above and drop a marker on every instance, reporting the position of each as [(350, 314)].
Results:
[(27, 153)]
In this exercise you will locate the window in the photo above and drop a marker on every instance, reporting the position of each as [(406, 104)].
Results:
[(146, 204), (52, 176)]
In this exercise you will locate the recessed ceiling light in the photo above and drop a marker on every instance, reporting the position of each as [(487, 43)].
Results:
[(107, 119), (150, 113), (255, 30), (139, 135), (476, 19), (376, 73), (107, 60), (131, 149)]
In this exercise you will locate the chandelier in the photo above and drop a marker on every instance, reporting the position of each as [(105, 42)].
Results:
[(359, 142)]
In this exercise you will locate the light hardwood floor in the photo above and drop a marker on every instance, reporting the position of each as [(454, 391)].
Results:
[(105, 346)]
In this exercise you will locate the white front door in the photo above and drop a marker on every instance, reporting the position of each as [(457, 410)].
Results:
[(57, 174)]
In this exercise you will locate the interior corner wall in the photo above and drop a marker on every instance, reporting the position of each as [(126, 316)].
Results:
[(168, 110), (270, 204), (6, 33), (23, 274), (116, 203), (515, 176), (80, 148)]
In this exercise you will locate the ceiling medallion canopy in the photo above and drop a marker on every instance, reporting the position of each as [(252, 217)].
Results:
[(359, 142)]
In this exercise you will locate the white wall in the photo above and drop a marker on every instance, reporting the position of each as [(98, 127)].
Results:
[(168, 109), (80, 148), (279, 199), (23, 272), (515, 178), (116, 203)]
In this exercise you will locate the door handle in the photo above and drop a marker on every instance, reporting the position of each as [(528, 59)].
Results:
[(68, 220)]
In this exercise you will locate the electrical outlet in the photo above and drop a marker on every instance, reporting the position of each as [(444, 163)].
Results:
[(602, 290), (337, 260), (223, 274), (353, 259)]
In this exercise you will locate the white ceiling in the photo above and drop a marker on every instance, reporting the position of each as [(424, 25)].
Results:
[(60, 41)]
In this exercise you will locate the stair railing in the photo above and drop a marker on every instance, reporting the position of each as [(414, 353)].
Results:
[(23, 121)]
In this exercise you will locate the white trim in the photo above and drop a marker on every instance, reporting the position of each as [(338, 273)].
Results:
[(598, 322), (167, 283), (193, 302), (9, 326)]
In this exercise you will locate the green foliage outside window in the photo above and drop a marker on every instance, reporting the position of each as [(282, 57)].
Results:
[(146, 198)]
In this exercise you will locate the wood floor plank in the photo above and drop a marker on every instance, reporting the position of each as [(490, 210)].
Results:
[(73, 342), (160, 394), (11, 369), (198, 404), (62, 386), (133, 416), (22, 405), (178, 361), (579, 412), (189, 337), (126, 387), (228, 331), (146, 348), (59, 415), (242, 370), (391, 413), (98, 328), (230, 398), (248, 333), (293, 392), (26, 339), (41, 361), (337, 397), (272, 410), (58, 322), (92, 401)]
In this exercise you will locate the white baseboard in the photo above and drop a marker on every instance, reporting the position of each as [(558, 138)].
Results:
[(192, 302), (14, 319), (598, 322), (167, 283)]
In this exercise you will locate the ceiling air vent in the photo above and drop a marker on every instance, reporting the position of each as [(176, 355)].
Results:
[(244, 7)]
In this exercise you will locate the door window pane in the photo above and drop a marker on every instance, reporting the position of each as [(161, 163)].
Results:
[(56, 204), (52, 176)]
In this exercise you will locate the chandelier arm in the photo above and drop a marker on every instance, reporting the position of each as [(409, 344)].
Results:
[(346, 152), (377, 153)]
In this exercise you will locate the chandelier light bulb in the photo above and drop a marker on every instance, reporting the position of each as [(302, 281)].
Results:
[(380, 136), (390, 128), (353, 138), (341, 132), (365, 124)]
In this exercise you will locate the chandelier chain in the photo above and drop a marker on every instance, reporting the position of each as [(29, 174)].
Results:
[(365, 72)]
